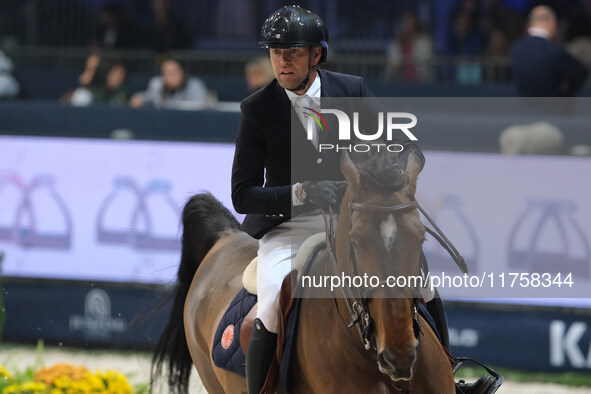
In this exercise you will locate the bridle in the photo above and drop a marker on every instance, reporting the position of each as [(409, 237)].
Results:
[(357, 305)]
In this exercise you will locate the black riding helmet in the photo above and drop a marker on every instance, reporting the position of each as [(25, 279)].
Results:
[(293, 26)]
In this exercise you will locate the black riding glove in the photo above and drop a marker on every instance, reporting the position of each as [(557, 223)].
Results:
[(322, 193)]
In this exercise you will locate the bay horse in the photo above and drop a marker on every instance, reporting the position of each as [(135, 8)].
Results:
[(379, 232)]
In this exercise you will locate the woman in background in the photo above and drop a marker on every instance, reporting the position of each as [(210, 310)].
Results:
[(173, 88), (102, 82)]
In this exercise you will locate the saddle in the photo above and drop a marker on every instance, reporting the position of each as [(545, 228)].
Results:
[(233, 333)]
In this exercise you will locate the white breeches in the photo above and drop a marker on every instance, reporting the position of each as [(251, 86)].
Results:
[(277, 251)]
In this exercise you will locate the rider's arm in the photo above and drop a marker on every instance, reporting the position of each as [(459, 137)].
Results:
[(248, 193)]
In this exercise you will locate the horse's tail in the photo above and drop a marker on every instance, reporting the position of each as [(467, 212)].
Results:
[(204, 219)]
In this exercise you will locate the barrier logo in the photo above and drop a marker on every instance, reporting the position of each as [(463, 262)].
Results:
[(26, 205), (547, 237), (97, 322), (140, 230)]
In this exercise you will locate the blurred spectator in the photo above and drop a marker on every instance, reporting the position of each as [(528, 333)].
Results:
[(92, 62), (258, 73), (114, 30), (466, 37), (465, 40), (9, 86), (496, 68), (174, 88), (85, 78), (167, 31), (496, 16), (540, 66), (410, 54), (106, 85), (539, 138)]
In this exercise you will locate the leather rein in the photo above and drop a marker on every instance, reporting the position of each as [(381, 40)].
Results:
[(357, 304)]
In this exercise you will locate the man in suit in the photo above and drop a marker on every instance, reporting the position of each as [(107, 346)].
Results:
[(281, 213), (541, 67)]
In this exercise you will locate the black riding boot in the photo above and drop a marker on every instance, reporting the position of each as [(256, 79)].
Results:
[(437, 311), (261, 349)]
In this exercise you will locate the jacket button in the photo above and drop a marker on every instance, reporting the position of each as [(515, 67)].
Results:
[(319, 160)]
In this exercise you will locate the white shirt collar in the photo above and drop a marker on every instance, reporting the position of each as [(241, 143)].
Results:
[(313, 91), (538, 32)]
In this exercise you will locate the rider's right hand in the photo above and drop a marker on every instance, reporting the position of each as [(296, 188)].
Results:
[(322, 193)]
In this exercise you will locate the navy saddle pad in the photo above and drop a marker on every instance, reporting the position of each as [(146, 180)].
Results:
[(226, 352)]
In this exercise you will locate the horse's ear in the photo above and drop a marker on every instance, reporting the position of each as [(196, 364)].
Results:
[(350, 171), (413, 167)]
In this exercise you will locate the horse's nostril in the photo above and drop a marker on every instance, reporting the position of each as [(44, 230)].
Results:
[(397, 368), (387, 360)]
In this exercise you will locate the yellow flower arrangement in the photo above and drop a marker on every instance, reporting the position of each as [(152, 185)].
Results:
[(4, 373), (67, 379), (26, 388)]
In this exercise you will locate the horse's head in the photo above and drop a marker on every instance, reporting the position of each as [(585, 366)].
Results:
[(380, 222)]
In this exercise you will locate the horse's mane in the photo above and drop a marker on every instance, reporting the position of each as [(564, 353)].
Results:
[(382, 170)]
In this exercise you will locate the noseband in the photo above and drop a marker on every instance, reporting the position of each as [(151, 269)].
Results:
[(393, 210)]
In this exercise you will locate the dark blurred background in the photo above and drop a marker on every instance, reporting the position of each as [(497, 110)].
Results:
[(464, 43)]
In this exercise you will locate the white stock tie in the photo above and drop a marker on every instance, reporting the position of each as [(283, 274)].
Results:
[(307, 116)]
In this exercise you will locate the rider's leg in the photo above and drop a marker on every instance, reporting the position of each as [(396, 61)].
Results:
[(261, 349), (437, 311), (277, 250), (274, 263), (435, 305)]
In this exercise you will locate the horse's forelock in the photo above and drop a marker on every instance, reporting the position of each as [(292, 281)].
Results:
[(381, 170)]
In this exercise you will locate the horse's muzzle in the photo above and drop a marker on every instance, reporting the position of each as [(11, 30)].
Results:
[(398, 368)]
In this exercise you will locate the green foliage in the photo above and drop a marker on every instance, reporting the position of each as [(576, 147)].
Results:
[(141, 388)]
